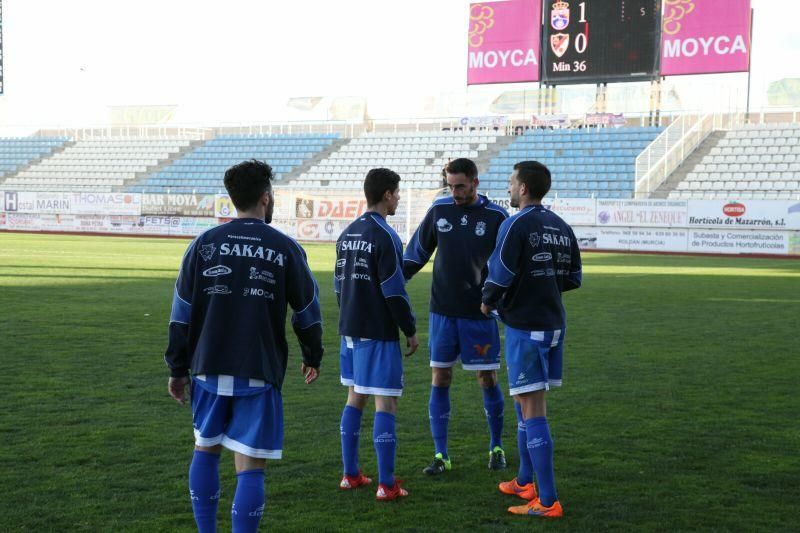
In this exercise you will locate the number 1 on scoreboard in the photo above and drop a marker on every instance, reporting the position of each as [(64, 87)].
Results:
[(582, 39)]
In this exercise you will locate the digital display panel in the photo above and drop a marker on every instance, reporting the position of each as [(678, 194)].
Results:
[(595, 41)]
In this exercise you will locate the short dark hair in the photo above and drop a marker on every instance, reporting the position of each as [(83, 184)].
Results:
[(246, 182), (462, 165), (377, 182), (535, 176)]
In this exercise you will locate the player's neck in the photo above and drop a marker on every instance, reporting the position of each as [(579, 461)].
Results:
[(381, 208), (252, 213), (527, 201)]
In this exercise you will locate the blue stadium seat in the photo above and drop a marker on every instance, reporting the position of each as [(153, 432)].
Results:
[(583, 162), (16, 152), (202, 169)]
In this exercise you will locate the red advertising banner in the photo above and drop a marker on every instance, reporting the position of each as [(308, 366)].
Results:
[(705, 36), (503, 41)]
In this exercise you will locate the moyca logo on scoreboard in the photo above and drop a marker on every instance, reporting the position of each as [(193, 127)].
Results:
[(502, 58), (720, 45)]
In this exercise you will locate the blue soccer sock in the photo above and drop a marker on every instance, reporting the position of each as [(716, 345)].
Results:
[(439, 414), (540, 448), (249, 501), (493, 405), (385, 440), (525, 472), (350, 429), (204, 490)]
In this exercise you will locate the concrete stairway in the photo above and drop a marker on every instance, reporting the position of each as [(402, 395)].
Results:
[(310, 163), (688, 165)]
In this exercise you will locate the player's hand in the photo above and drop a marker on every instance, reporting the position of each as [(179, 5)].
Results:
[(309, 373), (412, 343), (177, 389), (486, 310)]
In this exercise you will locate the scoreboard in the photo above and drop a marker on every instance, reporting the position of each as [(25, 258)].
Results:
[(596, 41)]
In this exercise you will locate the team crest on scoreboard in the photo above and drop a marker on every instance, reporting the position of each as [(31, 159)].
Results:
[(559, 43), (559, 16)]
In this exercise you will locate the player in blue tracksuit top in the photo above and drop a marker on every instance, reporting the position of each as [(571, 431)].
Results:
[(535, 260), (463, 227), (227, 330), (370, 289)]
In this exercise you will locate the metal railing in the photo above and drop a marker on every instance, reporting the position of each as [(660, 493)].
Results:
[(669, 150), (128, 132), (352, 128)]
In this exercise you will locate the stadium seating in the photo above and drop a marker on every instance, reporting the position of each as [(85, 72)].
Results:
[(584, 163), (96, 165), (202, 169), (21, 151), (752, 162), (755, 162), (417, 156)]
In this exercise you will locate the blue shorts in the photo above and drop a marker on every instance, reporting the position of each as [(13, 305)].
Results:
[(534, 359), (251, 425), (477, 342), (345, 364), (371, 366)]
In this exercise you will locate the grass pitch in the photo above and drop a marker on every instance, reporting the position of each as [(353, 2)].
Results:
[(679, 409)]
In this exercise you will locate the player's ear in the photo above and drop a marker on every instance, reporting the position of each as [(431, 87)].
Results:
[(266, 198)]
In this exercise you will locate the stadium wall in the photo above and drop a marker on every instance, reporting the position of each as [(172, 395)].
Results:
[(684, 226), (758, 227)]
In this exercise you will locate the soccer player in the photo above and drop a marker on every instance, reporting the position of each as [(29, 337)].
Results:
[(463, 227), (536, 259), (227, 330), (370, 289)]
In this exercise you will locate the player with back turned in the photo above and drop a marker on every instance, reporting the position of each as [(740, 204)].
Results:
[(463, 227), (535, 260), (373, 303), (227, 330)]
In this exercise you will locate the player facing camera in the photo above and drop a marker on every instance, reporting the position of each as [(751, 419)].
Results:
[(461, 179)]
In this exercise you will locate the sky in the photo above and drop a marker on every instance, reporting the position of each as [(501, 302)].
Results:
[(66, 62)]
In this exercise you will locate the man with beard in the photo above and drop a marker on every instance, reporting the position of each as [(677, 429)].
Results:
[(535, 260), (463, 226), (227, 330)]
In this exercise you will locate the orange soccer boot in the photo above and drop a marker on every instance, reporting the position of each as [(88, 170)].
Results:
[(526, 492), (535, 508)]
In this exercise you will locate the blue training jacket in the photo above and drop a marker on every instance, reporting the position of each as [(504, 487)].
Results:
[(230, 303), (535, 260), (465, 237), (369, 283)]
